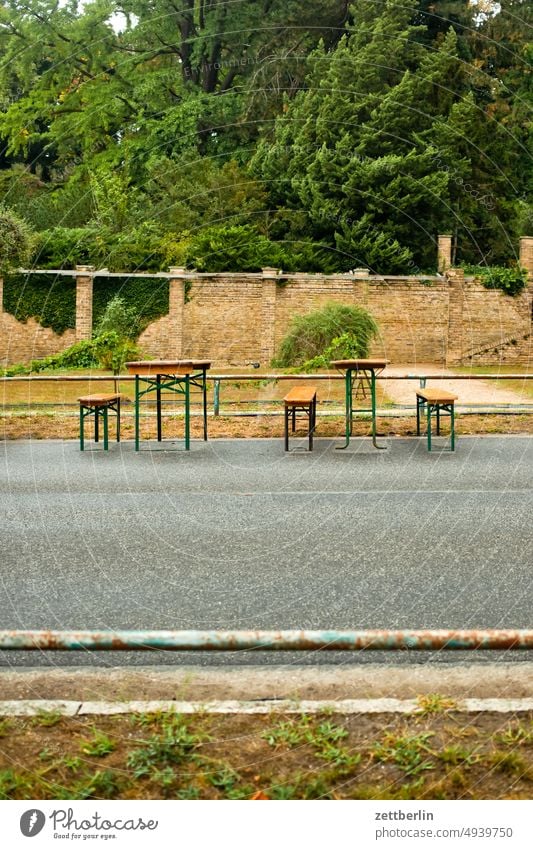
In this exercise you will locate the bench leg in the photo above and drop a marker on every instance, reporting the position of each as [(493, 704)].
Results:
[(293, 419), (96, 425), (418, 405), (118, 420), (429, 425), (438, 419), (286, 428)]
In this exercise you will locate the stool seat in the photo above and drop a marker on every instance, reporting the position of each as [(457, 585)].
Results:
[(301, 399), (437, 401), (98, 400), (97, 406)]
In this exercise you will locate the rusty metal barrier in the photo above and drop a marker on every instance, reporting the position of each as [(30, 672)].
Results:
[(330, 640)]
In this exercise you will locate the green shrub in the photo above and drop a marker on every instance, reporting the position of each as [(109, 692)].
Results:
[(80, 355), (15, 241), (233, 248), (113, 351), (344, 330), (119, 318), (66, 247), (512, 281)]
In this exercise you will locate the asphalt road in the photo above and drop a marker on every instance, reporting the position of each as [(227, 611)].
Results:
[(237, 534)]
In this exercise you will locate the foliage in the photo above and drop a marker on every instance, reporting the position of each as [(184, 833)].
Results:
[(118, 318), (336, 327), (80, 355), (347, 346), (146, 298), (50, 300), (232, 248), (15, 241), (512, 281), (65, 247)]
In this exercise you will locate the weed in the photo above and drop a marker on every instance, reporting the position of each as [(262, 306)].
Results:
[(458, 755), (404, 752), (172, 746), (5, 727), (514, 735), (508, 762), (226, 780), (47, 718), (102, 785), (71, 762), (188, 793), (99, 745), (13, 785), (282, 792), (46, 754), (434, 703)]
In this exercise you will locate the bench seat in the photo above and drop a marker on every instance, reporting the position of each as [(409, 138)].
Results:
[(303, 399), (436, 401), (98, 405)]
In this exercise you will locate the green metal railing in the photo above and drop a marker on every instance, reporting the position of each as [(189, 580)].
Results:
[(328, 640)]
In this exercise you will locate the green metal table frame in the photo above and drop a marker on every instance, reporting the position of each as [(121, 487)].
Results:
[(356, 374), (437, 408), (177, 383)]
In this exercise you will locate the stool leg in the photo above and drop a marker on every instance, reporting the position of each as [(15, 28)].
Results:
[(429, 425), (286, 428), (96, 423), (106, 431), (82, 428), (118, 420)]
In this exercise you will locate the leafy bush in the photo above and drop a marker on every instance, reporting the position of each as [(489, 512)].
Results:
[(15, 241), (80, 355), (234, 248), (113, 351), (512, 281), (66, 247), (336, 330), (119, 318)]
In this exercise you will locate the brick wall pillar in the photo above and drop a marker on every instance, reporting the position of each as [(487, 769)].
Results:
[(268, 314), (456, 281), (526, 257), (84, 302), (444, 253), (176, 305)]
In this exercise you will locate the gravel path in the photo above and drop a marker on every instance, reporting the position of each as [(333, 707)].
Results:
[(469, 391)]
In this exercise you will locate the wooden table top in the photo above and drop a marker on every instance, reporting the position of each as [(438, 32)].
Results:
[(151, 367), (360, 365)]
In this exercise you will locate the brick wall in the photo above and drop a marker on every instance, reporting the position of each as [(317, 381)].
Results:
[(235, 319)]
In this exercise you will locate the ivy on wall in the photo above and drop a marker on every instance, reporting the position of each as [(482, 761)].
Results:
[(148, 296), (52, 300), (49, 300)]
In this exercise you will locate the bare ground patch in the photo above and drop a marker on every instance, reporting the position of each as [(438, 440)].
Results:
[(435, 753)]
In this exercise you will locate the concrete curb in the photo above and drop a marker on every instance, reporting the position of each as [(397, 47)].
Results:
[(341, 706)]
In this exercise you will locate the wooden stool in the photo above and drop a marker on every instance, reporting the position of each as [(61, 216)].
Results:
[(303, 399), (98, 405), (436, 401)]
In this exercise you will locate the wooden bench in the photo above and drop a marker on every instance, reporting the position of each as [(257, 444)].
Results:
[(300, 399), (435, 401), (98, 406)]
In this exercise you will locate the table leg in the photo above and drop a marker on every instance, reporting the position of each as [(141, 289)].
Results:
[(106, 428), (118, 420), (187, 413), (429, 425), (158, 406), (204, 400), (137, 422), (374, 422), (348, 408), (96, 424), (453, 426), (82, 428)]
